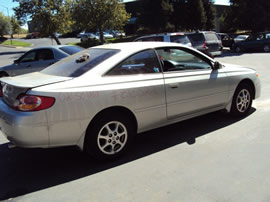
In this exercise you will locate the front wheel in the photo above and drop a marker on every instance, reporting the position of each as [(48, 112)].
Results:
[(242, 100), (108, 137)]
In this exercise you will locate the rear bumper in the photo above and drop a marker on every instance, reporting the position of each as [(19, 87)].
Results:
[(24, 129)]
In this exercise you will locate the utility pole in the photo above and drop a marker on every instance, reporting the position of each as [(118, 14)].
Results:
[(9, 24)]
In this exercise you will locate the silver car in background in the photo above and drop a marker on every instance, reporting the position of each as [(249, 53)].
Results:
[(100, 98), (37, 59)]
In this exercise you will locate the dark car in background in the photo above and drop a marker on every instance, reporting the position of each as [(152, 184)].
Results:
[(178, 37), (255, 42), (207, 42)]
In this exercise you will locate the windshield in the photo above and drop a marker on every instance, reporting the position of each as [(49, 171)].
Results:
[(71, 49), (80, 63)]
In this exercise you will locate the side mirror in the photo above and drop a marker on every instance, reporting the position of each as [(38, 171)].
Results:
[(16, 61), (216, 65)]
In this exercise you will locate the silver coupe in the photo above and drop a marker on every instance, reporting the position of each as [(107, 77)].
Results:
[(98, 99)]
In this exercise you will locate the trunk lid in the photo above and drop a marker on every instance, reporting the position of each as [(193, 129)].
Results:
[(12, 87)]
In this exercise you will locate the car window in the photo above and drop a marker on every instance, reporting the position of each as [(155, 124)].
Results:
[(175, 59), (152, 38), (45, 54), (29, 57), (72, 49), (80, 63), (211, 37), (180, 39), (196, 37), (140, 63)]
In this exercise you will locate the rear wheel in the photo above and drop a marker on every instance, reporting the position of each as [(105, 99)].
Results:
[(109, 136), (238, 49), (266, 48), (3, 74), (242, 100)]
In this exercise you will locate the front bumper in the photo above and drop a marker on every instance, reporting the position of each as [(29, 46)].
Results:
[(24, 129)]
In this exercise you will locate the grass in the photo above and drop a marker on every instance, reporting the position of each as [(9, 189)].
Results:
[(16, 43)]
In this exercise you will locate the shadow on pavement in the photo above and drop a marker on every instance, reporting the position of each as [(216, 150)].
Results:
[(23, 171)]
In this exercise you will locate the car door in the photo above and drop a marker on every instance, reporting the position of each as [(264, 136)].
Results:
[(142, 88), (191, 85), (33, 61)]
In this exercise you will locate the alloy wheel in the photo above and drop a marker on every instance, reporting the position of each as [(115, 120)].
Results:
[(243, 100), (112, 137)]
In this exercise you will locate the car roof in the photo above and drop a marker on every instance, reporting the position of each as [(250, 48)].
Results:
[(137, 46)]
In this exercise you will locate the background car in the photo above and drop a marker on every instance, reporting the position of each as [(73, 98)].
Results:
[(167, 37), (89, 36), (37, 59), (98, 99), (206, 42), (106, 35), (255, 42)]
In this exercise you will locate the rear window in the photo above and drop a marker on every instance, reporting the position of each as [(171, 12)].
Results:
[(76, 65), (211, 37), (196, 37), (180, 39), (71, 49)]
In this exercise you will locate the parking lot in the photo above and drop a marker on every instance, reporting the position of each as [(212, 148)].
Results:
[(209, 158)]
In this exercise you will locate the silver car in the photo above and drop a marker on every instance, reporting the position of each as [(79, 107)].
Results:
[(100, 98), (37, 59)]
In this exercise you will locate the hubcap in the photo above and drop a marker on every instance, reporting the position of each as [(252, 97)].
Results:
[(243, 100), (112, 137), (266, 48)]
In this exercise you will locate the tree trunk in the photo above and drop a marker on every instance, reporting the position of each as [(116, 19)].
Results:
[(56, 39)]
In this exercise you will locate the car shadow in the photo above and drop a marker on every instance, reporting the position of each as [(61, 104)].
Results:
[(229, 53), (24, 171)]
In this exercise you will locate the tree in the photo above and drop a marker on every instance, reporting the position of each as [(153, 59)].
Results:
[(156, 15), (15, 25), (100, 15), (251, 15), (180, 15), (4, 27), (48, 16), (196, 13), (210, 13)]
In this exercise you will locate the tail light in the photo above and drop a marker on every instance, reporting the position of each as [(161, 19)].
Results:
[(204, 46), (28, 103)]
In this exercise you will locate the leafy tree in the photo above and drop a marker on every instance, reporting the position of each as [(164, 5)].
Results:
[(15, 25), (100, 15), (210, 13), (180, 15), (4, 27), (197, 16), (156, 15), (251, 15), (48, 16)]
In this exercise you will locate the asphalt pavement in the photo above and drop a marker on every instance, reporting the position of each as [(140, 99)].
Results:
[(212, 158)]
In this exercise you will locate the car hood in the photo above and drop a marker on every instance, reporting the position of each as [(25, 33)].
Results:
[(236, 68), (32, 80)]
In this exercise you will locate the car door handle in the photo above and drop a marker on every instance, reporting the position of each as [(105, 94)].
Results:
[(173, 86)]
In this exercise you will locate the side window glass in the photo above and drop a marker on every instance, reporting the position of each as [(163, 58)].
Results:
[(140, 63), (45, 54), (177, 60), (29, 57)]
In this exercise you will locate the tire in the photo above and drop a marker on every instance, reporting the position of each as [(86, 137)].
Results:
[(109, 136), (266, 48), (238, 49), (242, 100), (3, 74)]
